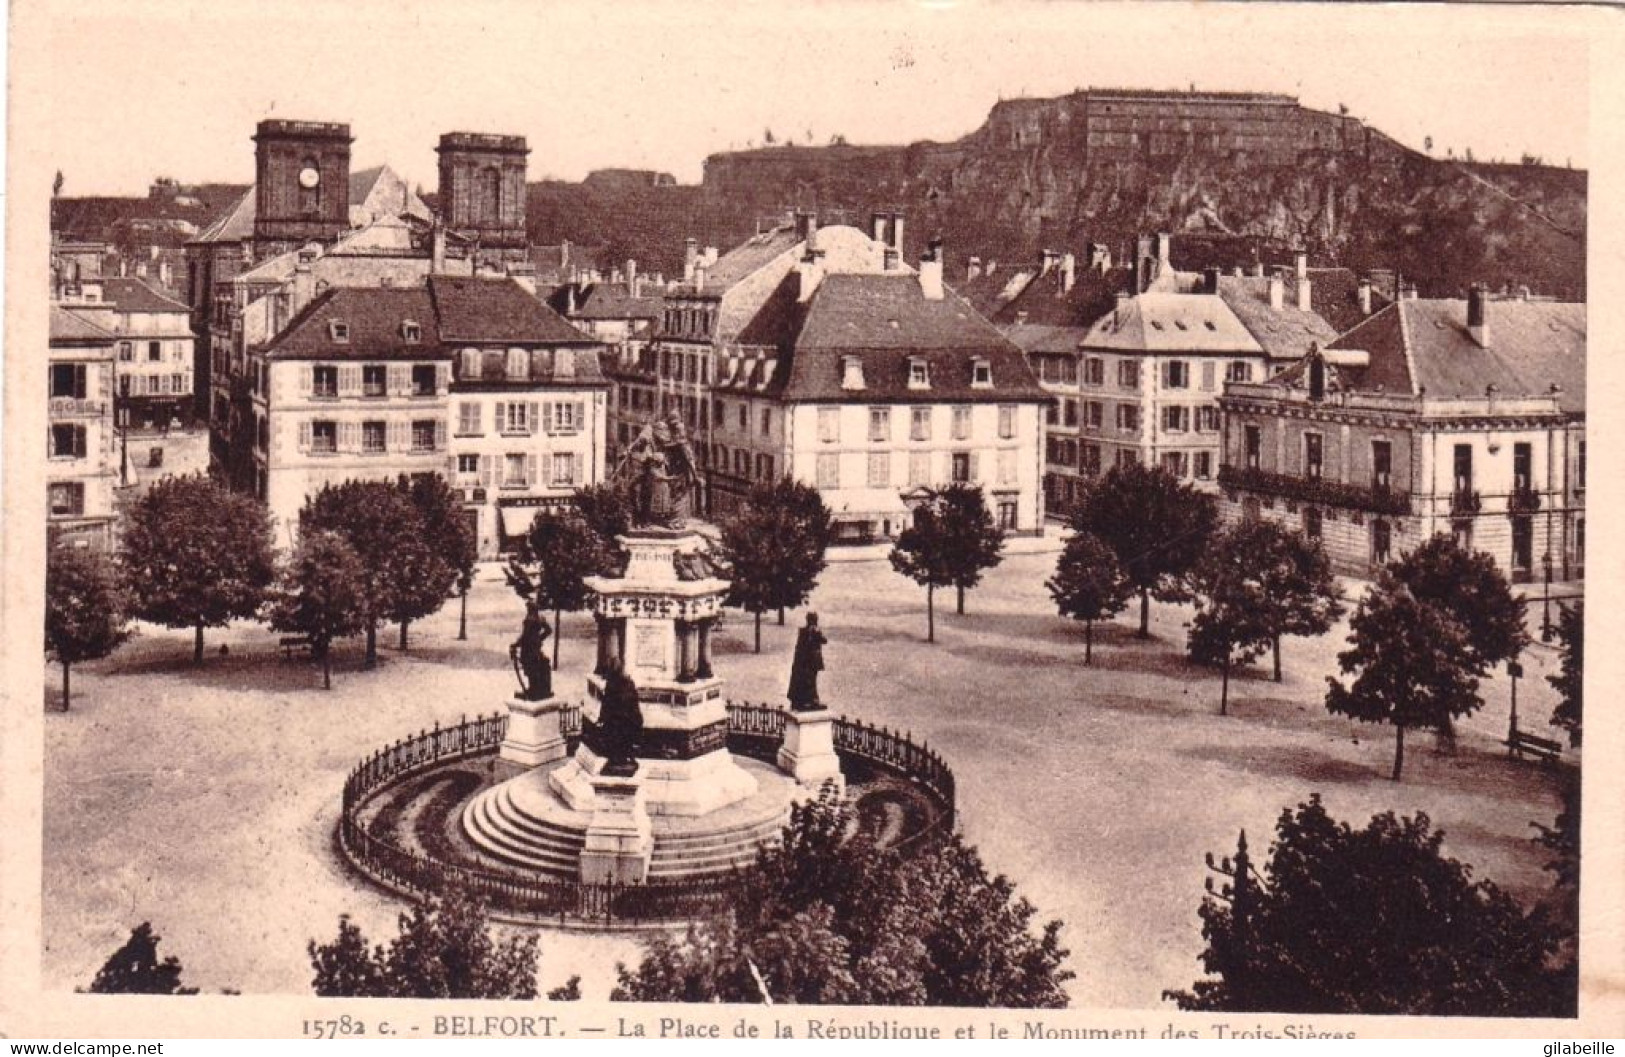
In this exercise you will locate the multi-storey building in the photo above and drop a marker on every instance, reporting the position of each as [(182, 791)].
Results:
[(873, 386), (80, 470), (1464, 417), (471, 378), (623, 316)]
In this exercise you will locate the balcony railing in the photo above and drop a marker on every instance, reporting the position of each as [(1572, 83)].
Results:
[(1524, 500), (1465, 503), (1316, 490)]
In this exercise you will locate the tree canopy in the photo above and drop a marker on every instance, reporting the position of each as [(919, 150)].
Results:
[(1157, 526), (1231, 601), (197, 555), (606, 509), (949, 542), (85, 609), (1298, 594), (1088, 585), (451, 537), (1470, 587), (134, 969), (1369, 921), (773, 547), (828, 917), (445, 948), (1569, 682), (552, 563), (320, 595)]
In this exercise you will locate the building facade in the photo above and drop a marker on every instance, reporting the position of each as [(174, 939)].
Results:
[(81, 468)]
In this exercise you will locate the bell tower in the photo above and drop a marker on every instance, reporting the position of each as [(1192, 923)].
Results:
[(482, 190), (301, 182)]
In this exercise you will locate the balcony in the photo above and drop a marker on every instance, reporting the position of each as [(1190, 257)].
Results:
[(1465, 503), (70, 406), (1317, 491), (1523, 500)]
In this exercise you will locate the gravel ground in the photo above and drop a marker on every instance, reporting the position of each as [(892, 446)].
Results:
[(204, 799)]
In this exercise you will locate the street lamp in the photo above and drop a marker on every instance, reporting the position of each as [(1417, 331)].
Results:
[(1546, 599)]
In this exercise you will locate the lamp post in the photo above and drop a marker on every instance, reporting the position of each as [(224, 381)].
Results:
[(1546, 599), (1514, 670)]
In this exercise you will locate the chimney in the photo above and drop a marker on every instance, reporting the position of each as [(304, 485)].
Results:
[(631, 273), (1300, 261), (1165, 248), (889, 260), (1100, 258), (1478, 324), (1050, 259), (1305, 292), (931, 271), (570, 299), (806, 224), (691, 254), (1317, 375), (1069, 273), (897, 231), (710, 256), (437, 252), (304, 282), (1210, 280), (1365, 297), (1277, 292), (811, 272), (880, 226), (700, 268), (973, 269)]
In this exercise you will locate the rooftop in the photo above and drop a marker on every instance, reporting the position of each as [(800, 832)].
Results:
[(1170, 322), (134, 295), (70, 328)]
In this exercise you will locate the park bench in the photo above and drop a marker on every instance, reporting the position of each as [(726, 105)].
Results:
[(1545, 749), (292, 644)]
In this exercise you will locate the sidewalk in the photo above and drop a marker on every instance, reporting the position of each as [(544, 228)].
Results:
[(1051, 542)]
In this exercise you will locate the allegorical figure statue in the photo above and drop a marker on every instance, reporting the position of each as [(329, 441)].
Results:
[(530, 657), (620, 723), (660, 474), (805, 665)]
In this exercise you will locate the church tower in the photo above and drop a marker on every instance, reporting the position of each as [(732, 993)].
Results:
[(482, 191), (301, 182)]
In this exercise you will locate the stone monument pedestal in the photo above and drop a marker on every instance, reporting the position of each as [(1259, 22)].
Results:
[(534, 737), (619, 841), (808, 751)]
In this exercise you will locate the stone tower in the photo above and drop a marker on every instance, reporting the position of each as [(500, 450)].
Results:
[(482, 191), (301, 182)]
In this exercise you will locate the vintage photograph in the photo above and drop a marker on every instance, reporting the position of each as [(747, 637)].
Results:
[(1047, 507)]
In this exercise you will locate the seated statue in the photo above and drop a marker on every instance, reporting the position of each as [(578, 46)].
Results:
[(620, 724)]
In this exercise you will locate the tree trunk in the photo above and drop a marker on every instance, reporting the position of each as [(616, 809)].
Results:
[(1145, 612), (961, 601), (781, 616), (558, 633), (327, 667), (1088, 642), (403, 635), (197, 645), (372, 645), (758, 631), (65, 681), (930, 613), (1277, 644), (462, 619), (1224, 683), (1399, 750)]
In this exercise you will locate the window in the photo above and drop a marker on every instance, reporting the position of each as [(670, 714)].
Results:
[(567, 416), (155, 351), (961, 466), (1522, 457), (468, 419), (1580, 467), (516, 365), (1052, 413), (744, 417), (1127, 457), (764, 467), (1464, 468), (829, 424), (1174, 463), (829, 470), (851, 373), (68, 380), (515, 471), (177, 383), (1311, 522), (324, 437), (324, 381), (1007, 421), (1176, 374), (1128, 418), (1094, 414), (1089, 459), (1254, 442), (1128, 374), (961, 422), (919, 424), (1007, 515), (339, 331), (1207, 419), (918, 376), (517, 419), (424, 379), (1094, 371), (981, 374), (564, 470), (879, 469), (372, 437), (767, 421), (1202, 464), (880, 424), (919, 468), (67, 498), (125, 385), (374, 380), (468, 465), (1069, 412), (1176, 419), (126, 351), (423, 435), (1240, 371), (1382, 464), (1314, 456), (1381, 541), (67, 442)]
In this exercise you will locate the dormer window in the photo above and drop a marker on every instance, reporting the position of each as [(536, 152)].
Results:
[(919, 376), (339, 331), (411, 332), (851, 373), (564, 363), (981, 373), (518, 365)]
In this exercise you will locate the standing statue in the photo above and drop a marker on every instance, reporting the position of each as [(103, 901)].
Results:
[(660, 473), (530, 658), (620, 724), (805, 665)]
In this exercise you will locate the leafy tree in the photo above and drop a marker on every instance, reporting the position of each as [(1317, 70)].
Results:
[(1569, 682), (552, 563), (974, 542), (380, 523), (1157, 527), (445, 948), (450, 536), (773, 548), (134, 969), (828, 917), (1368, 921), (85, 607), (569, 991), (920, 554), (1413, 662), (321, 595), (1230, 598), (1471, 589), (1298, 592), (605, 508), (1088, 585), (197, 555)]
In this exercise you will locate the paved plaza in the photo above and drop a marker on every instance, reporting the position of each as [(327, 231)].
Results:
[(205, 799)]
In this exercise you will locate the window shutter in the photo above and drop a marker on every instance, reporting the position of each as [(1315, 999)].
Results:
[(485, 463), (399, 379), (532, 476), (502, 416), (349, 380), (307, 380), (440, 436), (974, 476), (400, 438), (442, 377), (304, 437), (578, 470), (535, 410)]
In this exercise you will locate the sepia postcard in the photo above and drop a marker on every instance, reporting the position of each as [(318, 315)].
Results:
[(895, 520)]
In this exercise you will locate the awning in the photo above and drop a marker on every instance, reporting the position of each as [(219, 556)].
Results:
[(516, 519), (874, 501)]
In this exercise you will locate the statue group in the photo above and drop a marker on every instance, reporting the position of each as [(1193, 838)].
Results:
[(660, 474)]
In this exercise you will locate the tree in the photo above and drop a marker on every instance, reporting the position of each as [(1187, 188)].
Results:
[(383, 527), (321, 595), (973, 542), (1413, 662), (773, 548), (1369, 921), (604, 507), (829, 917), (446, 948), (1156, 526), (1230, 599), (552, 563), (85, 607), (1088, 585), (1298, 592), (920, 554), (1569, 682), (134, 969), (1472, 590), (451, 538), (197, 555)]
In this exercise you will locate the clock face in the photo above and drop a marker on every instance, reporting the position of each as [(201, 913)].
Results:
[(309, 177)]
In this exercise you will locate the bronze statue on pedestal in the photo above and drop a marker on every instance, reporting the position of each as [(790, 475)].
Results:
[(530, 662), (805, 665)]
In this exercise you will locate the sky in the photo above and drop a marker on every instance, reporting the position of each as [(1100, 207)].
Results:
[(174, 88)]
